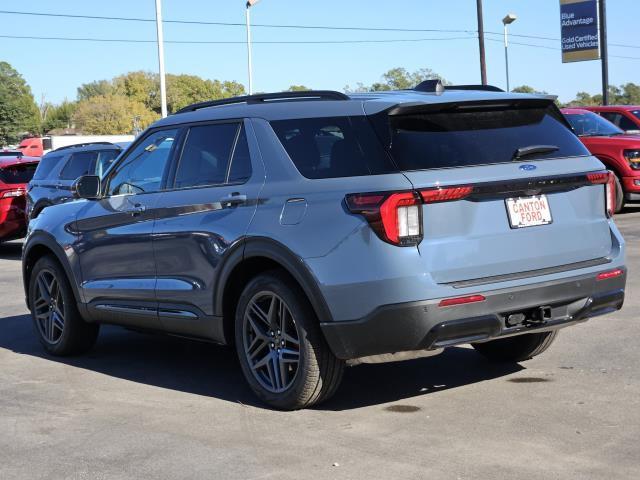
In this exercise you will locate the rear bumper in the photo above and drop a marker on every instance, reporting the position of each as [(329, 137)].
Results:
[(424, 325)]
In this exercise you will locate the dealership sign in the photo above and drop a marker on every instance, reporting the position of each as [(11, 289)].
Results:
[(579, 30)]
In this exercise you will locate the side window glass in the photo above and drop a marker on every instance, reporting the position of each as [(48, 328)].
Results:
[(141, 171), (612, 117), (205, 155), (46, 166), (240, 170), (105, 159), (626, 124), (79, 164)]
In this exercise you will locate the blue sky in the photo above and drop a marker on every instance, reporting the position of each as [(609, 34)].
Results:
[(57, 68)]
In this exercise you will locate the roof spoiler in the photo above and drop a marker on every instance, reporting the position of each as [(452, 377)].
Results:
[(436, 86), (408, 108)]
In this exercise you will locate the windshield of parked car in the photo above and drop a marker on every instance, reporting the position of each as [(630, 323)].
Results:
[(16, 174), (589, 124)]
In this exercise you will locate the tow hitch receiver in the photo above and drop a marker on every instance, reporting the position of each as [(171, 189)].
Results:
[(534, 316)]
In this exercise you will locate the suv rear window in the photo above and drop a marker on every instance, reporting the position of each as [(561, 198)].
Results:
[(333, 147), (46, 165), (474, 135), (18, 173)]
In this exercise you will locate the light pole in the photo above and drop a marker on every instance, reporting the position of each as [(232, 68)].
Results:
[(250, 3), (163, 86), (508, 20), (483, 63)]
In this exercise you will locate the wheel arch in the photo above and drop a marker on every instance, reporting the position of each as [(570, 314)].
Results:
[(258, 255)]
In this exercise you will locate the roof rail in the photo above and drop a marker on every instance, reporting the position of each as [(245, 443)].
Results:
[(86, 144), (268, 97)]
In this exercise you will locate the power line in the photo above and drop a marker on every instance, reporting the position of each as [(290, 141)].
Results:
[(546, 47), (291, 26), (230, 42)]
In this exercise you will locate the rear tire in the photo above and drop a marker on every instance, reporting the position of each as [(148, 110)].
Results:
[(282, 352), (518, 348), (56, 320), (619, 196)]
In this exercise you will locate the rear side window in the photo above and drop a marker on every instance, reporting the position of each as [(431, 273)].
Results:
[(333, 147), (18, 173), (474, 135), (46, 165), (214, 155), (81, 163)]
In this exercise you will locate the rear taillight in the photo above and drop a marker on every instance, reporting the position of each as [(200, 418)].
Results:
[(12, 193), (452, 302), (446, 194), (610, 274), (609, 180), (396, 217)]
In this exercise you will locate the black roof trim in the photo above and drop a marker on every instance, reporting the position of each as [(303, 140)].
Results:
[(436, 86), (87, 144), (484, 88), (268, 97)]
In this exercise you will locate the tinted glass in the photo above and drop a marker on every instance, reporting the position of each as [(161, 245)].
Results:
[(636, 113), (79, 164), (475, 135), (18, 173), (626, 124), (240, 170), (333, 146), (46, 165), (104, 161), (142, 169), (589, 125), (205, 155)]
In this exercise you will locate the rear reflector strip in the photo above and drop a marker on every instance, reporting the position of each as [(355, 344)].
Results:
[(445, 194), (598, 178), (611, 274), (450, 302)]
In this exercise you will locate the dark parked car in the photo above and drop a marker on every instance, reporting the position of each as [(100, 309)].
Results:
[(315, 229), (15, 172), (59, 169)]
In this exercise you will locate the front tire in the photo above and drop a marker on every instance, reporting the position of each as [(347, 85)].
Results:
[(282, 351), (56, 320), (518, 348)]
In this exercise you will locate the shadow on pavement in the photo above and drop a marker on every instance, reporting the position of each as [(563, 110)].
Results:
[(11, 251), (209, 370)]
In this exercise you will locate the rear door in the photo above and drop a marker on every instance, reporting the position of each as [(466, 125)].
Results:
[(211, 199), (469, 233)]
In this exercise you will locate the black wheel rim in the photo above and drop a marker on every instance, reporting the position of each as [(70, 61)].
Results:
[(49, 307), (271, 342)]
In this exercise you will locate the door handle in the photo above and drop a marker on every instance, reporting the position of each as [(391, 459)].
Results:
[(233, 199), (136, 209)]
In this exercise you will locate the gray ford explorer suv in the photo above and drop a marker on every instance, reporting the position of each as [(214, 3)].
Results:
[(313, 230)]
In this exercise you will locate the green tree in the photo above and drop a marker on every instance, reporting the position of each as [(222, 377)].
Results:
[(297, 88), (19, 113), (398, 79), (527, 89), (59, 116), (140, 86), (183, 90), (111, 115), (94, 89)]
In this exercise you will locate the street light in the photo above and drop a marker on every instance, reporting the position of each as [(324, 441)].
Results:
[(163, 86), (508, 20), (250, 3)]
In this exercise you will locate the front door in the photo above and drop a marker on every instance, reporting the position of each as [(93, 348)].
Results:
[(115, 236), (206, 209)]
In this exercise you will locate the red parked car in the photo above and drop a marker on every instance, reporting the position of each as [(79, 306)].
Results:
[(626, 117), (16, 171), (619, 151)]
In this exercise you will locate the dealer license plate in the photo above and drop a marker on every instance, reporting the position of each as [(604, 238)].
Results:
[(528, 211)]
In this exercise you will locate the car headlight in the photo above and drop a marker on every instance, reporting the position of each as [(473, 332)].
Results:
[(633, 157)]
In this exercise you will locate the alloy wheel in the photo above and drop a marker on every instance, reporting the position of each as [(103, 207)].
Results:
[(271, 342), (48, 306)]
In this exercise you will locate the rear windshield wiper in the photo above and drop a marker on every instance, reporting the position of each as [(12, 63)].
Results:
[(532, 150)]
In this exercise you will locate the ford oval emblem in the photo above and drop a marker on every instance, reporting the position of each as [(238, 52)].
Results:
[(527, 167)]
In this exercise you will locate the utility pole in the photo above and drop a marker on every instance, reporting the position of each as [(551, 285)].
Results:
[(163, 86), (483, 63), (602, 13)]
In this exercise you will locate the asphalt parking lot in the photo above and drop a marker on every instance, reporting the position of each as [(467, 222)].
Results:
[(151, 406)]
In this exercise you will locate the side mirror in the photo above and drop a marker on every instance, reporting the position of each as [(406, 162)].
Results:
[(87, 186)]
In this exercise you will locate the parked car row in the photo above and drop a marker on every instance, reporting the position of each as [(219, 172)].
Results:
[(316, 229)]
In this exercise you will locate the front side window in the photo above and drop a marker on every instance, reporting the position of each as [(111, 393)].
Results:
[(627, 124), (214, 155), (79, 164), (142, 169)]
